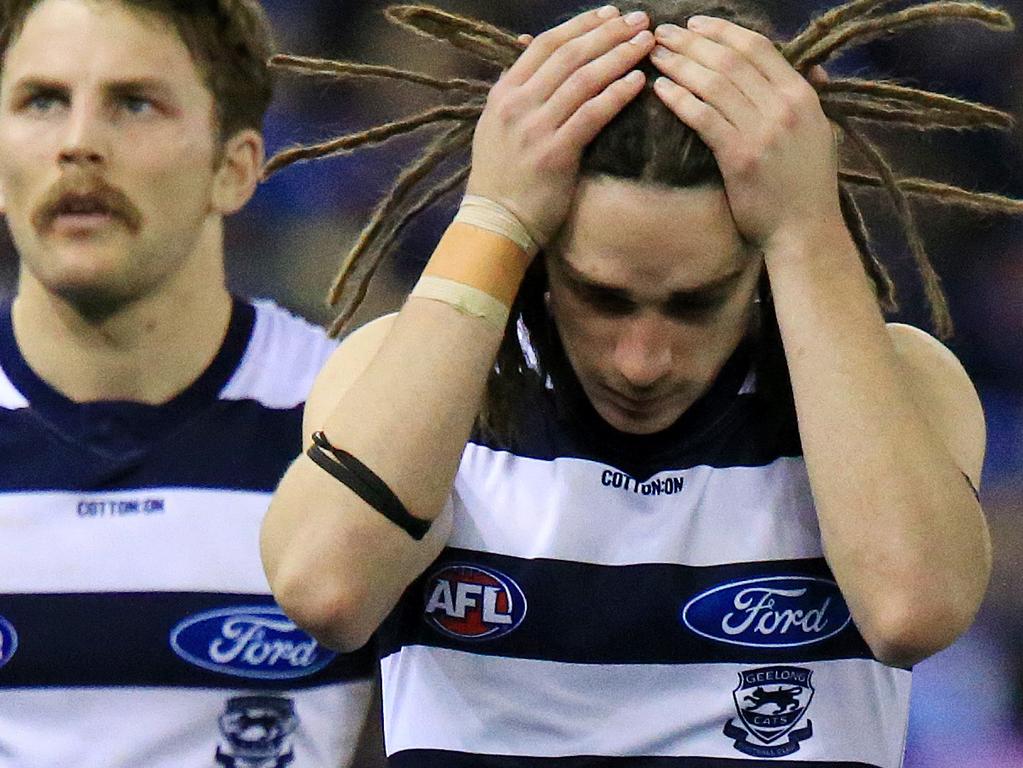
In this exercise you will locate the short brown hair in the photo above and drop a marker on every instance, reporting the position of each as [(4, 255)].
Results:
[(230, 42)]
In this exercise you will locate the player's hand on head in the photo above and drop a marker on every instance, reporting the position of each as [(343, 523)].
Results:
[(567, 85), (762, 120)]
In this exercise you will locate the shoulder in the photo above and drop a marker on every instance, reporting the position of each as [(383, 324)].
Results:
[(942, 389), (343, 367), (278, 330), (283, 355)]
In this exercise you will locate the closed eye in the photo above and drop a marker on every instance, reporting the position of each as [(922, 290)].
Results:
[(605, 302), (696, 307)]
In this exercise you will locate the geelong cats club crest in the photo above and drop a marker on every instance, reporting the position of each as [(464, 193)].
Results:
[(771, 702), (257, 732)]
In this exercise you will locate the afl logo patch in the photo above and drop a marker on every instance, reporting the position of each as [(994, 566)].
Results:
[(770, 612), (257, 642), (8, 641), (471, 602)]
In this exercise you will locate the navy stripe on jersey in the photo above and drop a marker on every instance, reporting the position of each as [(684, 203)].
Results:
[(224, 446), (132, 426), (197, 640), (633, 614), (726, 427), (435, 758)]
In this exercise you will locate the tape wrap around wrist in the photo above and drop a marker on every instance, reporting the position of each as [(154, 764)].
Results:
[(479, 264)]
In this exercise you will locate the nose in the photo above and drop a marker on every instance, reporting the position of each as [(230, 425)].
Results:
[(643, 350), (84, 139)]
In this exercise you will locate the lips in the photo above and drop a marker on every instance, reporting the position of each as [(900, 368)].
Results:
[(81, 205), (638, 406)]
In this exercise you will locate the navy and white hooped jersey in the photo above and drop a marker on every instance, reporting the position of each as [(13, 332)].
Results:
[(136, 624), (622, 601)]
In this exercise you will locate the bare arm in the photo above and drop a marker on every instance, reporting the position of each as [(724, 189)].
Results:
[(403, 398), (890, 425), (889, 422)]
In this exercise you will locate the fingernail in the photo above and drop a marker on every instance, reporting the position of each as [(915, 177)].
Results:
[(642, 38), (607, 12), (636, 18), (668, 29), (663, 84), (635, 77), (697, 22), (659, 52)]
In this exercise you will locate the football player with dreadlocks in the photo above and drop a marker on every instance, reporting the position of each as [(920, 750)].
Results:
[(639, 472)]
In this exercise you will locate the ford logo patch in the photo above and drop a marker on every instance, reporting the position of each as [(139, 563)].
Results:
[(770, 612), (249, 641), (473, 603), (8, 641)]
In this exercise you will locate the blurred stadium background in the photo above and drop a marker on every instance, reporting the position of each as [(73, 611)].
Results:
[(968, 700)]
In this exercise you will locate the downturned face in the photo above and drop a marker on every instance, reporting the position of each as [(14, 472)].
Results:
[(108, 150), (651, 289)]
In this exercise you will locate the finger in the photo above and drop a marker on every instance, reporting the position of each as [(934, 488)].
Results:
[(710, 124), (577, 53), (756, 48), (593, 78), (711, 87), (718, 58), (525, 40), (591, 118), (818, 76), (544, 45)]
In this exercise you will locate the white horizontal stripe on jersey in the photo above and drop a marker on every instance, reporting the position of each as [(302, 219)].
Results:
[(281, 361), (163, 728), (570, 509), (91, 546), (10, 398), (442, 699)]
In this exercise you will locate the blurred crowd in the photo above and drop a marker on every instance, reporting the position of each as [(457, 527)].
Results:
[(968, 701)]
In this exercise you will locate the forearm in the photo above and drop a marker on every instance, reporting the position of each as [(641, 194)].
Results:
[(902, 530)]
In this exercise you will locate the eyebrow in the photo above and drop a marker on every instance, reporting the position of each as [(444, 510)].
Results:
[(117, 87), (712, 289)]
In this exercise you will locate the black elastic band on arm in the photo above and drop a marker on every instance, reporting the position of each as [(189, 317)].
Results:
[(366, 484)]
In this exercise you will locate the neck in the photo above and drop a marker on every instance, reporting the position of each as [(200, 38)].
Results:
[(147, 349)]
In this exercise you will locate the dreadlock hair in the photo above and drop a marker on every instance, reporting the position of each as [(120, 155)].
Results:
[(230, 42), (648, 143)]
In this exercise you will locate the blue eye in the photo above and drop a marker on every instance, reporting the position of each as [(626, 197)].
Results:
[(136, 105), (45, 101)]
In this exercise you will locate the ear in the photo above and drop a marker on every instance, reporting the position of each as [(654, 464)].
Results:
[(239, 171)]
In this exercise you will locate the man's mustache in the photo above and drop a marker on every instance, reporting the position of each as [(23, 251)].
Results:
[(81, 193)]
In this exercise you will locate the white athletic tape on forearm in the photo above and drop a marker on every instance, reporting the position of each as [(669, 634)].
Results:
[(466, 299), (484, 213)]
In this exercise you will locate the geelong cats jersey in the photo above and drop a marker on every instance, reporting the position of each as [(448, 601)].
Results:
[(622, 601), (136, 625)]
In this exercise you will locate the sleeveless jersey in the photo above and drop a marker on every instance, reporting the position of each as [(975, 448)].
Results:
[(622, 601), (136, 624)]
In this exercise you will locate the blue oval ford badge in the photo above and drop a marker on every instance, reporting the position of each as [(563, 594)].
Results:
[(8, 641), (471, 602), (770, 612), (249, 641)]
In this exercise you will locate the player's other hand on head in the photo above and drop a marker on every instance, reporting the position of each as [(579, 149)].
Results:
[(762, 120), (565, 87)]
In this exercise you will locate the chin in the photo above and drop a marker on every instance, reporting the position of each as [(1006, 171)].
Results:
[(637, 424), (95, 296)]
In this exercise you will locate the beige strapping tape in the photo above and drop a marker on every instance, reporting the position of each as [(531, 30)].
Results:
[(466, 299), (484, 213)]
